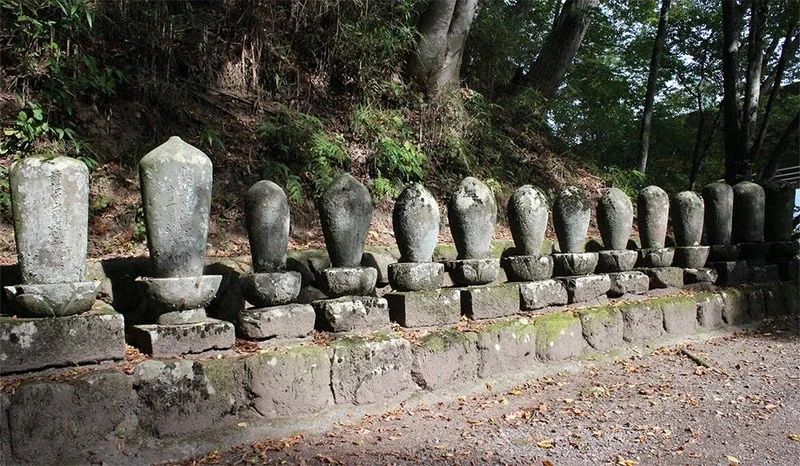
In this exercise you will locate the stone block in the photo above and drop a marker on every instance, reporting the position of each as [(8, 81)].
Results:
[(38, 343), (176, 340), (489, 302), (506, 347), (180, 397), (782, 250), (425, 308), (290, 320), (371, 371), (729, 273), (734, 307), (664, 277), (628, 283), (723, 252), (709, 310), (586, 288), (346, 281), (527, 268), (559, 336), (5, 435), (691, 276), (773, 300), (763, 273), (754, 253), (380, 261), (680, 314), (290, 381), (445, 358), (641, 321), (351, 313), (70, 422), (755, 303), (602, 327), (536, 295)]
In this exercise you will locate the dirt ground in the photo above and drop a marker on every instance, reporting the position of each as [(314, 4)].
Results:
[(661, 408)]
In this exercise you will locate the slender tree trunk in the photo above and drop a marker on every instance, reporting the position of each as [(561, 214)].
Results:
[(735, 157), (443, 27), (752, 90), (560, 47), (788, 139), (655, 64)]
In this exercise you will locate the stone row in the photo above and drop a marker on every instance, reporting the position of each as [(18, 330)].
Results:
[(145, 412)]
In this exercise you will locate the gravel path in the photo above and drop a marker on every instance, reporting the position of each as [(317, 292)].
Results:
[(662, 408)]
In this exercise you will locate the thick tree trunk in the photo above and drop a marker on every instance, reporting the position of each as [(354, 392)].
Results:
[(788, 139), (735, 157), (443, 27), (560, 47), (655, 64)]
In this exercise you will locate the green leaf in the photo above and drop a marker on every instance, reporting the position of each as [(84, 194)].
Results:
[(37, 113)]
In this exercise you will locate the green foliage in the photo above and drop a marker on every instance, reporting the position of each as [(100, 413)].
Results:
[(212, 138), (300, 140), (281, 174), (628, 180), (31, 130), (384, 189), (5, 194)]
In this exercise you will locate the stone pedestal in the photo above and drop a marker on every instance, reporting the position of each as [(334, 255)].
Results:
[(351, 313), (707, 275), (416, 276), (691, 257), (754, 253), (29, 344), (623, 283), (425, 308), (287, 321), (176, 340), (616, 261), (545, 293), (574, 264), (780, 251), (468, 272), (664, 277), (729, 272), (586, 288), (766, 273), (659, 257), (180, 300), (489, 302), (52, 299), (529, 268), (723, 252), (270, 289), (348, 281)]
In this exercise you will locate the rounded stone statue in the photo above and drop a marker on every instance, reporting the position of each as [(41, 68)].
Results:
[(779, 211), (345, 211), (415, 219), (653, 217), (266, 211), (615, 219), (718, 200), (176, 180), (472, 213), (571, 216), (748, 212), (688, 210), (527, 217)]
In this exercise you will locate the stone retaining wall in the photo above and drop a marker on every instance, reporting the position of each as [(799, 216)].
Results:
[(134, 414)]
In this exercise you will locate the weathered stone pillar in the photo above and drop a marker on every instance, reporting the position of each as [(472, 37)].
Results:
[(688, 213), (654, 257), (54, 319), (270, 288), (345, 210), (778, 226), (527, 216), (571, 216), (472, 213), (176, 180), (417, 299), (615, 221)]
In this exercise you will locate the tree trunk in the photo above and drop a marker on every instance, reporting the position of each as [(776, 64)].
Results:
[(560, 47), (443, 27), (735, 157), (788, 139), (655, 64), (752, 89)]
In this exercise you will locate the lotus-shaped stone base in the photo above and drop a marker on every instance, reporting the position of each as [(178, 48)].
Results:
[(691, 257), (270, 289), (416, 276), (657, 257), (467, 272), (180, 300), (348, 281), (574, 264), (527, 268), (53, 300), (612, 261)]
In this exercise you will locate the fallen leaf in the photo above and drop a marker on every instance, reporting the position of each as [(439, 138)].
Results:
[(241, 424), (732, 460), (795, 437), (547, 463), (545, 444), (625, 462)]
